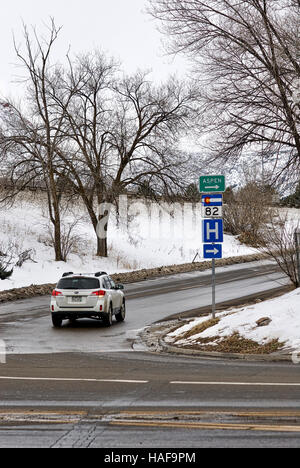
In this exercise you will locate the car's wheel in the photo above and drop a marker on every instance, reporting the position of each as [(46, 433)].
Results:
[(121, 315), (56, 321), (109, 317)]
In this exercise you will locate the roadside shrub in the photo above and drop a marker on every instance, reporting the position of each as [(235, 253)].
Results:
[(247, 213), (279, 244), (71, 240), (293, 200), (4, 273)]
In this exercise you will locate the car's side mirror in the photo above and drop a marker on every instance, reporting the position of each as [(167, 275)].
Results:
[(119, 286)]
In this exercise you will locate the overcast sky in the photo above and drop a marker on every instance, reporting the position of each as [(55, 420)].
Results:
[(119, 27)]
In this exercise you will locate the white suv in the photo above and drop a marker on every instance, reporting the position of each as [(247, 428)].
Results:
[(87, 295)]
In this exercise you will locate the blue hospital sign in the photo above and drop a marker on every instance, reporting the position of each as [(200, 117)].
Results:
[(212, 231)]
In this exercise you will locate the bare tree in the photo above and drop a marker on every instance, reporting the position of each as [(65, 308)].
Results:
[(246, 57), (120, 131), (279, 244), (31, 135), (149, 121), (89, 129), (87, 119)]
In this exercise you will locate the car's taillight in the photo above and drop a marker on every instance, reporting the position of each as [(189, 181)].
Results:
[(56, 293), (99, 293)]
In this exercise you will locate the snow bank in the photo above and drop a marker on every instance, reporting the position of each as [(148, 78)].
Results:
[(284, 312)]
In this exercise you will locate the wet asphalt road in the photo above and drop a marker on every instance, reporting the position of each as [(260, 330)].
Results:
[(26, 328), (71, 386)]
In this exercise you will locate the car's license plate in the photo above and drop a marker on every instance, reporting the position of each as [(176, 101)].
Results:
[(76, 299)]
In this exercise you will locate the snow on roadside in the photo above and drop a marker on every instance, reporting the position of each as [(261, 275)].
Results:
[(140, 245), (284, 312)]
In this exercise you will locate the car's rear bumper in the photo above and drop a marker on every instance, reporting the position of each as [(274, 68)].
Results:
[(66, 309), (68, 314)]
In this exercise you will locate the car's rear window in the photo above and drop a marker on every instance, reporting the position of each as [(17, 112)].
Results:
[(78, 283)]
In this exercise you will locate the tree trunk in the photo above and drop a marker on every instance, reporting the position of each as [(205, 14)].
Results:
[(102, 247), (102, 224), (101, 239), (55, 215), (57, 236)]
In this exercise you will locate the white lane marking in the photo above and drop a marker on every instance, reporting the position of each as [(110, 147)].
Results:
[(253, 384), (62, 379), (174, 382)]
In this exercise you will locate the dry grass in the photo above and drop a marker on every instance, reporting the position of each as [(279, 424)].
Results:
[(236, 344), (201, 327)]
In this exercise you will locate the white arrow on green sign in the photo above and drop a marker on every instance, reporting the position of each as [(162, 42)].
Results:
[(213, 183)]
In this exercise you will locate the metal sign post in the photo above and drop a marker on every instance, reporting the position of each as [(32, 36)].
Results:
[(213, 287), (212, 232), (212, 225)]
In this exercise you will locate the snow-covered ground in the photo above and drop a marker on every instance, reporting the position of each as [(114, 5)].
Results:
[(283, 311), (150, 238)]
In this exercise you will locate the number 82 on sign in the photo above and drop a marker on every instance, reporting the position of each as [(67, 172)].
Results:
[(212, 211)]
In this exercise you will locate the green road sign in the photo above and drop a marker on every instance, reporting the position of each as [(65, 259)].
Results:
[(212, 183)]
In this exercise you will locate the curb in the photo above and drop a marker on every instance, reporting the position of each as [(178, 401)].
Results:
[(162, 347), (214, 354)]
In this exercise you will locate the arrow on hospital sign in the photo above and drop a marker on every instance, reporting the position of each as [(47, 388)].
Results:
[(212, 251)]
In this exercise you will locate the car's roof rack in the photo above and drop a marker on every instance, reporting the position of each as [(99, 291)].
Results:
[(99, 273)]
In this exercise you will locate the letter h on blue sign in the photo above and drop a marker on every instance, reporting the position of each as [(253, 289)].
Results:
[(212, 231)]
